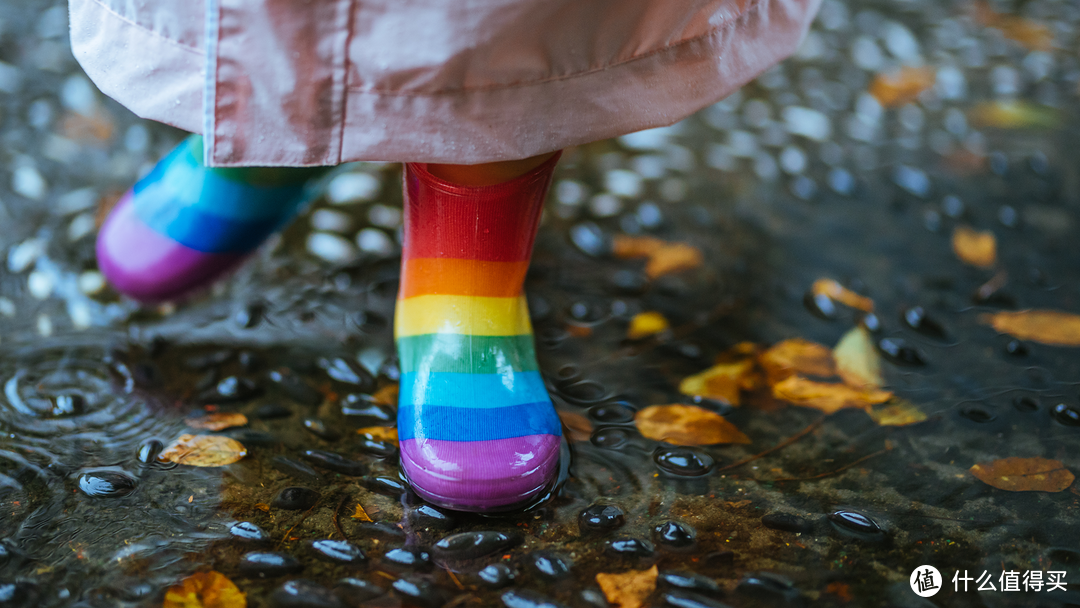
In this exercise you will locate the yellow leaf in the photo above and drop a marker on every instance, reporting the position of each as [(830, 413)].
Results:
[(663, 257), (827, 397), (380, 433), (1024, 474), (205, 590), (902, 87), (723, 381), (217, 422), (857, 361), (686, 425), (628, 589), (896, 412), (1046, 326), (974, 247), (1013, 115), (1034, 36), (204, 451), (797, 356), (387, 395), (360, 513), (579, 428), (836, 291), (646, 324)]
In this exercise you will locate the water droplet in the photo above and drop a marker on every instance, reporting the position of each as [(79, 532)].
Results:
[(295, 388), (295, 498), (601, 518), (387, 486), (612, 413), (428, 516), (550, 565), (527, 598), (589, 239), (245, 530), (683, 462), (412, 558), (856, 525), (1017, 348), (786, 522), (149, 450), (250, 315), (268, 564), (688, 581), (610, 438), (321, 430), (419, 593), (773, 588), (106, 484), (677, 598), (820, 305), (206, 361), (376, 448), (629, 548), (302, 593), (361, 406), (674, 535), (871, 323), (1066, 414), (585, 392), (334, 462), (1026, 403), (472, 545), (975, 413), (19, 595), (369, 322), (296, 469), (916, 318), (349, 372), (231, 390), (340, 551), (496, 576), (897, 351), (355, 591), (271, 411)]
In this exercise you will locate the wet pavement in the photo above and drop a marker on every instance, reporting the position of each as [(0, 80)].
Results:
[(800, 176)]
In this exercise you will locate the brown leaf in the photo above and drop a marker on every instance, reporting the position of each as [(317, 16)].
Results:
[(646, 324), (387, 395), (1034, 36), (217, 422), (974, 247), (902, 87), (1051, 327), (663, 257), (95, 127), (857, 360), (896, 412), (836, 291), (723, 381), (360, 513), (579, 428), (797, 356), (204, 451), (1024, 474), (686, 425), (628, 589), (205, 590), (827, 397), (380, 433)]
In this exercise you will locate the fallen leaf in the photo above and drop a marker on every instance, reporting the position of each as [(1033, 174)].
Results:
[(380, 433), (896, 412), (360, 513), (1034, 36), (387, 395), (836, 291), (1052, 327), (1013, 115), (81, 127), (205, 590), (217, 422), (262, 506), (857, 359), (723, 381), (901, 87), (1024, 474), (204, 451), (797, 356), (646, 324), (974, 247), (579, 428), (663, 257), (628, 589), (686, 425), (827, 397)]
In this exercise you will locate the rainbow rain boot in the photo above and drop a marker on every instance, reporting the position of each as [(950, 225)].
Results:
[(184, 225), (477, 429)]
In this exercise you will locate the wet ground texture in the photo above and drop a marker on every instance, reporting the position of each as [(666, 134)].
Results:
[(800, 176)]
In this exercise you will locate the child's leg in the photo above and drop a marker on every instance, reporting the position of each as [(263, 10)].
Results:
[(184, 224), (477, 428)]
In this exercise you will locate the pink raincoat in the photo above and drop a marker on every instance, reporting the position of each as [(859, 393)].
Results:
[(321, 82)]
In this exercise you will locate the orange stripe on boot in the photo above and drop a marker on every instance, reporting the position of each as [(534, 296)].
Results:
[(452, 276)]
